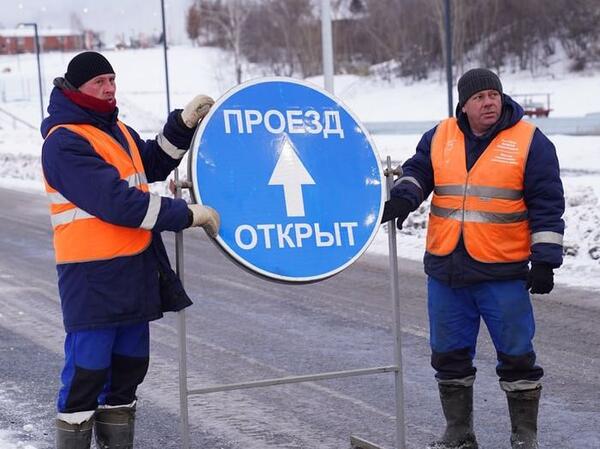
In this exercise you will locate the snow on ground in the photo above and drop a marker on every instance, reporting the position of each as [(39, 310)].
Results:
[(141, 98), (142, 102), (7, 441)]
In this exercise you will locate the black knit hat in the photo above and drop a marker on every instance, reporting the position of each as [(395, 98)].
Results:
[(476, 80), (86, 66)]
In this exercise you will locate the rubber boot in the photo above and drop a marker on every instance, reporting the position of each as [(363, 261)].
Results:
[(114, 428), (457, 404), (523, 408), (73, 436)]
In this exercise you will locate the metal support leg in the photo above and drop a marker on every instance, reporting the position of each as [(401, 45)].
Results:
[(183, 387), (181, 333), (398, 377), (356, 443), (359, 443)]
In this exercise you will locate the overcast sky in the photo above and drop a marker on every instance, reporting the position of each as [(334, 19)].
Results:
[(110, 16)]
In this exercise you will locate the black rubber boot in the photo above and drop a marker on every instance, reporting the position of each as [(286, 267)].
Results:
[(523, 408), (457, 404), (73, 436), (114, 428)]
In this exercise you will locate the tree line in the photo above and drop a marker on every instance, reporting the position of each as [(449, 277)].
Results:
[(399, 37)]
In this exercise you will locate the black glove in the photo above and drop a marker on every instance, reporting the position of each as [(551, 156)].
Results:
[(396, 208), (540, 278)]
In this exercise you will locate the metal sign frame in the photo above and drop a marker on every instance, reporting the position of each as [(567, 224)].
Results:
[(185, 392)]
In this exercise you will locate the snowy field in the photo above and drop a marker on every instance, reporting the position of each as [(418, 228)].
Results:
[(142, 102)]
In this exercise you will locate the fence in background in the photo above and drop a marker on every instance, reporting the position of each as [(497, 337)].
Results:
[(14, 120), (14, 87), (588, 125)]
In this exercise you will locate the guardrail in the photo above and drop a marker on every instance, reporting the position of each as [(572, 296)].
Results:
[(588, 125), (16, 119)]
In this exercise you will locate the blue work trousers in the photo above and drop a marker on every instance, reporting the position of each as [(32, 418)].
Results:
[(103, 367), (454, 319)]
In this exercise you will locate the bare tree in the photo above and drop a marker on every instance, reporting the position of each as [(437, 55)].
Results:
[(578, 31), (467, 18), (227, 18), (286, 36), (192, 23), (406, 37)]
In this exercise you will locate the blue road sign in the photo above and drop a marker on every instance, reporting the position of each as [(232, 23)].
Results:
[(293, 174)]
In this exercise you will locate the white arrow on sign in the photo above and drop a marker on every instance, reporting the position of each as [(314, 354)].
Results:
[(290, 173)]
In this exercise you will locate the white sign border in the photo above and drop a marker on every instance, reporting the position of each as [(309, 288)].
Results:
[(195, 194)]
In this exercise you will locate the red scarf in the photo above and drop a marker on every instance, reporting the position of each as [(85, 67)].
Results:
[(89, 102)]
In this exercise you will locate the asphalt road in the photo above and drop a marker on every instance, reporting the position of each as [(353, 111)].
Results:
[(244, 328)]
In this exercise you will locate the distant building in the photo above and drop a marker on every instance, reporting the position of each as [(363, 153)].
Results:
[(22, 40)]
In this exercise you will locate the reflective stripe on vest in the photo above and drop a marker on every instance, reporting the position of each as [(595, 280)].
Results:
[(486, 203), (80, 236)]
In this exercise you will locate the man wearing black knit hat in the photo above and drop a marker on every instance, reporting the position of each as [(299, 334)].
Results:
[(114, 276), (496, 209), (86, 66)]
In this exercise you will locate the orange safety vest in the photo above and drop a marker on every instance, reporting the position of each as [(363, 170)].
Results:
[(486, 203), (80, 236)]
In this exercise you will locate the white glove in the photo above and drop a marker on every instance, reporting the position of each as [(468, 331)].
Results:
[(196, 109), (206, 217)]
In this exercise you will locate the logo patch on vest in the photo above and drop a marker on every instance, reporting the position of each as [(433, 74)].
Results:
[(450, 144), (505, 152)]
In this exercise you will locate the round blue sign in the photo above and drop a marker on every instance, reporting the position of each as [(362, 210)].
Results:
[(293, 174)]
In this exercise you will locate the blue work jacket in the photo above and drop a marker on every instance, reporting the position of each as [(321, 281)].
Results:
[(122, 290), (543, 195)]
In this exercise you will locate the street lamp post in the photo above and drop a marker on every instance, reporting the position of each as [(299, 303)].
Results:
[(449, 56), (39, 68), (165, 47), (181, 324), (327, 44)]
